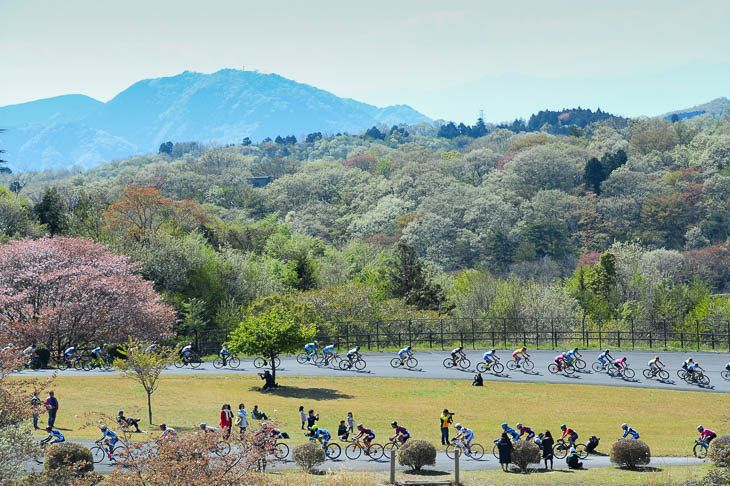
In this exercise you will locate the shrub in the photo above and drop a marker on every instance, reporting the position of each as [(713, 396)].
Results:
[(630, 453), (68, 455), (308, 456), (42, 357), (416, 454), (720, 451), (718, 476), (525, 453)]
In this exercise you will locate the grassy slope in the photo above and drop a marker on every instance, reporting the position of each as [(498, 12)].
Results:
[(666, 419)]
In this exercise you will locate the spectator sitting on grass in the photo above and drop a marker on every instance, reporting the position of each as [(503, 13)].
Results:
[(258, 414), (342, 431), (126, 422), (269, 383)]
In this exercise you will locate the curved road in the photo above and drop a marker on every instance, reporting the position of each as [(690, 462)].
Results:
[(430, 367)]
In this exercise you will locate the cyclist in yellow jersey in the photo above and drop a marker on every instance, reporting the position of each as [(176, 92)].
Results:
[(520, 354)]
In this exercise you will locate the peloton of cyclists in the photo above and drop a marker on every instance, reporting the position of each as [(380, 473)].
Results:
[(691, 367)]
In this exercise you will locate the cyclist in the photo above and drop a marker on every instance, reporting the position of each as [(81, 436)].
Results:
[(323, 436), (311, 349), (28, 353), (54, 436), (69, 353), (524, 430), (404, 354), (490, 357), (110, 438), (7, 348), (621, 364), (510, 431), (692, 367), (560, 361), (629, 431), (367, 434), (353, 354), (654, 365), (457, 354), (167, 432), (151, 348), (187, 351), (224, 354), (328, 352), (207, 429), (400, 433), (604, 357), (466, 436), (519, 355), (727, 367), (569, 434), (706, 435), (96, 355), (572, 355)]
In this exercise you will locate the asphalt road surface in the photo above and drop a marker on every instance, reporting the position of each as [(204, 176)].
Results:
[(443, 463), (430, 366)]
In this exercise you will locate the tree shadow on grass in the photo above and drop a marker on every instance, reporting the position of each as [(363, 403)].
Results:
[(650, 469), (541, 470), (317, 394), (427, 472)]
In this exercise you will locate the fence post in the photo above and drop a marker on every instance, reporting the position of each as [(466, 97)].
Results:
[(504, 327), (347, 335), (537, 334), (583, 331), (665, 336), (392, 468), (600, 338), (430, 340), (681, 338), (697, 322), (493, 339), (441, 322), (618, 336), (410, 333), (552, 333), (473, 342), (456, 465), (377, 334), (728, 336)]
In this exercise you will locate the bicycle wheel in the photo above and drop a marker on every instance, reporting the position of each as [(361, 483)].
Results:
[(465, 363), (497, 368), (448, 363), (495, 451), (629, 373), (528, 365), (277, 362), (579, 364), (560, 450), (353, 451), (699, 450), (261, 362), (389, 449), (682, 374), (511, 365), (86, 366), (552, 368), (98, 454), (477, 451), (222, 448), (663, 375), (612, 372), (725, 375), (360, 364), (107, 366), (569, 369), (450, 451), (196, 362), (281, 450), (179, 364), (598, 367), (333, 451), (234, 362), (376, 451), (218, 363), (704, 380), (79, 364), (481, 367), (647, 374), (345, 365), (411, 362), (581, 449), (395, 362)]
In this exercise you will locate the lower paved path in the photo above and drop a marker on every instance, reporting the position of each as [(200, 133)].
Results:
[(443, 463), (430, 367)]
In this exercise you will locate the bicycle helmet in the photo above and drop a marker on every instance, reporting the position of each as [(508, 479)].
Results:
[(607, 351), (264, 424), (625, 359), (203, 425), (163, 426), (700, 428), (103, 427), (656, 357), (457, 426), (359, 426), (357, 348), (494, 351), (121, 412), (49, 428), (314, 427), (504, 425), (624, 426), (393, 423), (408, 348), (519, 425), (563, 427)]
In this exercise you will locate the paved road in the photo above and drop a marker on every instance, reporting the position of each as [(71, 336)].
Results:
[(443, 463), (430, 367)]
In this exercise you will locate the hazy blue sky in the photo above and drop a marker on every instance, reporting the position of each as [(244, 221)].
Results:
[(446, 59)]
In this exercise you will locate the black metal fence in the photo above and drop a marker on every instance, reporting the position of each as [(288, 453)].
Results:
[(441, 334)]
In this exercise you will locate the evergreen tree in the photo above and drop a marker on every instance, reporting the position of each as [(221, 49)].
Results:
[(51, 211), (4, 169), (409, 281), (593, 175), (246, 142), (479, 129), (166, 148)]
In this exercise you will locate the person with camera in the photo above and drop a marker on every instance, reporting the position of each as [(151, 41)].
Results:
[(447, 418)]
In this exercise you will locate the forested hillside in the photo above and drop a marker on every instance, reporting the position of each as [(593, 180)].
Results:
[(622, 220)]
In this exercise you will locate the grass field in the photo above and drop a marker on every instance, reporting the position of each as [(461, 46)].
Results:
[(609, 476), (665, 419)]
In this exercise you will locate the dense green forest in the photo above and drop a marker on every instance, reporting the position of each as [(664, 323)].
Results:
[(599, 218)]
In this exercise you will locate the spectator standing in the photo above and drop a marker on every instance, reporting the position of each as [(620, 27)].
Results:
[(505, 451), (447, 419), (350, 423), (303, 416), (35, 404), (226, 420), (52, 407), (547, 448), (242, 419), (311, 419)]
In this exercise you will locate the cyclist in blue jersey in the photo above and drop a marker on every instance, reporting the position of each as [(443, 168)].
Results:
[(490, 357), (311, 349), (510, 431), (605, 358), (328, 352), (110, 438), (404, 354), (54, 436), (572, 355), (224, 354), (629, 431)]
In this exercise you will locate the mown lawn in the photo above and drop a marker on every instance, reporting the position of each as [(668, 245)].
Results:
[(666, 419)]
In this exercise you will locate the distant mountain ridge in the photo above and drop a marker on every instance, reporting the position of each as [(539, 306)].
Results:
[(225, 107), (715, 108)]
